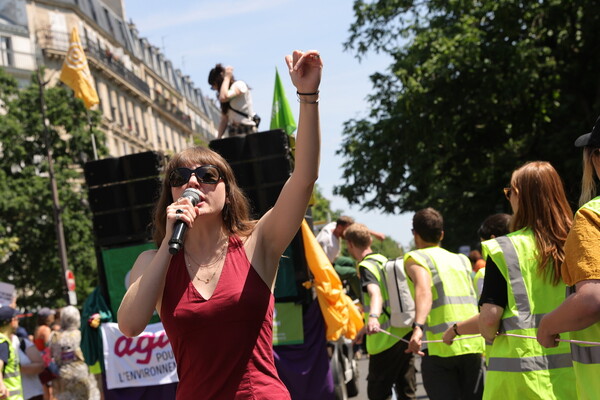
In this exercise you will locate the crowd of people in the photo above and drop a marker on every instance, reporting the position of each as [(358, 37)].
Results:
[(47, 364), (217, 293), (488, 326)]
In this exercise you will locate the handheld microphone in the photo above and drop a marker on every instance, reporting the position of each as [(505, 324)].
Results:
[(179, 228)]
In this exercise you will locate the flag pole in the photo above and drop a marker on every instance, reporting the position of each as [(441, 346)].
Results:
[(60, 234), (87, 112)]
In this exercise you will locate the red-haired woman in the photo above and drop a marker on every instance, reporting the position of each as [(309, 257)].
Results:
[(522, 284), (215, 296)]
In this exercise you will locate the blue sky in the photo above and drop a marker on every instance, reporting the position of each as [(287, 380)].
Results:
[(254, 36)]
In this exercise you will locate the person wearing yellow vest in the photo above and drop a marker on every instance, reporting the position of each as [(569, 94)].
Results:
[(494, 226), (580, 312), (441, 284), (389, 364), (522, 284), (10, 376)]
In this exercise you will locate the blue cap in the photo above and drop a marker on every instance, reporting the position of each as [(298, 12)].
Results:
[(7, 313)]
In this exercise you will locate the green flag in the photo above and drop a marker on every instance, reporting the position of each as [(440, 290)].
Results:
[(281, 114)]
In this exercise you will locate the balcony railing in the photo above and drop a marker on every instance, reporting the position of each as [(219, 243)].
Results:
[(52, 40), (172, 109), (17, 59)]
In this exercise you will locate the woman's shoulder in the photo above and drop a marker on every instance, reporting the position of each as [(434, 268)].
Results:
[(241, 86), (146, 256)]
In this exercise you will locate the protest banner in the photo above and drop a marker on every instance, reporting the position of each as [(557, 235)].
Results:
[(144, 360)]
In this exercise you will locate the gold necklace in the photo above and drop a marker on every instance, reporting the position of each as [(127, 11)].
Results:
[(219, 258)]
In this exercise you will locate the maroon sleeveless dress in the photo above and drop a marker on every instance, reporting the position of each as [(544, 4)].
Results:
[(223, 346)]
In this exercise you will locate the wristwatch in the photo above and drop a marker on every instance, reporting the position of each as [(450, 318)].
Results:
[(373, 315), (415, 324)]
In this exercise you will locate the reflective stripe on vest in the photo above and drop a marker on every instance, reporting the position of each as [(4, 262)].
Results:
[(525, 320), (442, 299), (379, 342), (381, 279), (583, 354), (12, 375), (528, 364)]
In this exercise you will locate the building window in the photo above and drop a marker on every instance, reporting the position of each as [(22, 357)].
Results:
[(91, 4), (109, 22), (6, 54)]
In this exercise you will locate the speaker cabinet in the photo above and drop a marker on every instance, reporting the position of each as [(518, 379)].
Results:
[(122, 192), (261, 162)]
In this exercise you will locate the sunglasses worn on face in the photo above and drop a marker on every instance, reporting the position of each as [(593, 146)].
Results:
[(507, 192), (205, 174)]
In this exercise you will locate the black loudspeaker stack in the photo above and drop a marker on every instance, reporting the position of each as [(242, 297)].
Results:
[(122, 193), (261, 162)]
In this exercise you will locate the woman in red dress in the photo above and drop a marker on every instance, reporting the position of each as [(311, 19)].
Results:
[(215, 296)]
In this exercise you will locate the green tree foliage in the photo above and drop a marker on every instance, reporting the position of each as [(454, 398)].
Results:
[(32, 263), (322, 212), (321, 209), (475, 89), (388, 247)]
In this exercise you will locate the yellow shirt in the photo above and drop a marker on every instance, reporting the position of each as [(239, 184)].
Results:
[(582, 253)]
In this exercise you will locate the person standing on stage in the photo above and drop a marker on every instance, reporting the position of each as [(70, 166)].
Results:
[(236, 102)]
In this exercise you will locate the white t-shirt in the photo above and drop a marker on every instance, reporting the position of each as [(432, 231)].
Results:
[(329, 242), (31, 383), (241, 102)]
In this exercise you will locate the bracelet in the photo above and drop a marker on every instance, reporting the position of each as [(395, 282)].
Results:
[(308, 102), (417, 325), (455, 329), (373, 316), (307, 94)]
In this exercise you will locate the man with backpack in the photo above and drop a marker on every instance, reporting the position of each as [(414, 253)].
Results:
[(444, 295), (389, 364)]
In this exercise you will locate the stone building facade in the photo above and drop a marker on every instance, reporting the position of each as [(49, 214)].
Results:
[(146, 103)]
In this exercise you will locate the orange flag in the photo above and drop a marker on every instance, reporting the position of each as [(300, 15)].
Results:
[(340, 314), (75, 72)]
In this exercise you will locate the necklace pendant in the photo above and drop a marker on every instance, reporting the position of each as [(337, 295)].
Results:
[(206, 281)]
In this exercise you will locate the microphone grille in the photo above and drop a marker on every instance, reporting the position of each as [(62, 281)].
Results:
[(192, 194)]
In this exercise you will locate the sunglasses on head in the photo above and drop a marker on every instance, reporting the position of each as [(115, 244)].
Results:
[(205, 174)]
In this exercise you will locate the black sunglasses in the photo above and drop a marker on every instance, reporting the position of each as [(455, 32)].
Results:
[(507, 192), (205, 174)]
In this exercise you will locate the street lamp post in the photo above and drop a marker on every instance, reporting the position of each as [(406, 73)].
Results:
[(60, 234)]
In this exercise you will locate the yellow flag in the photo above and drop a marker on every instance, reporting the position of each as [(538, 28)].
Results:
[(76, 74), (339, 312)]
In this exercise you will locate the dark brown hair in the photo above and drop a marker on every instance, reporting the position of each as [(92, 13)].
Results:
[(429, 224), (344, 221), (495, 225), (215, 77), (236, 211), (543, 207)]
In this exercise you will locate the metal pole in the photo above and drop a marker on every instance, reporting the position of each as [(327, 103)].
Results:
[(87, 112), (60, 235)]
